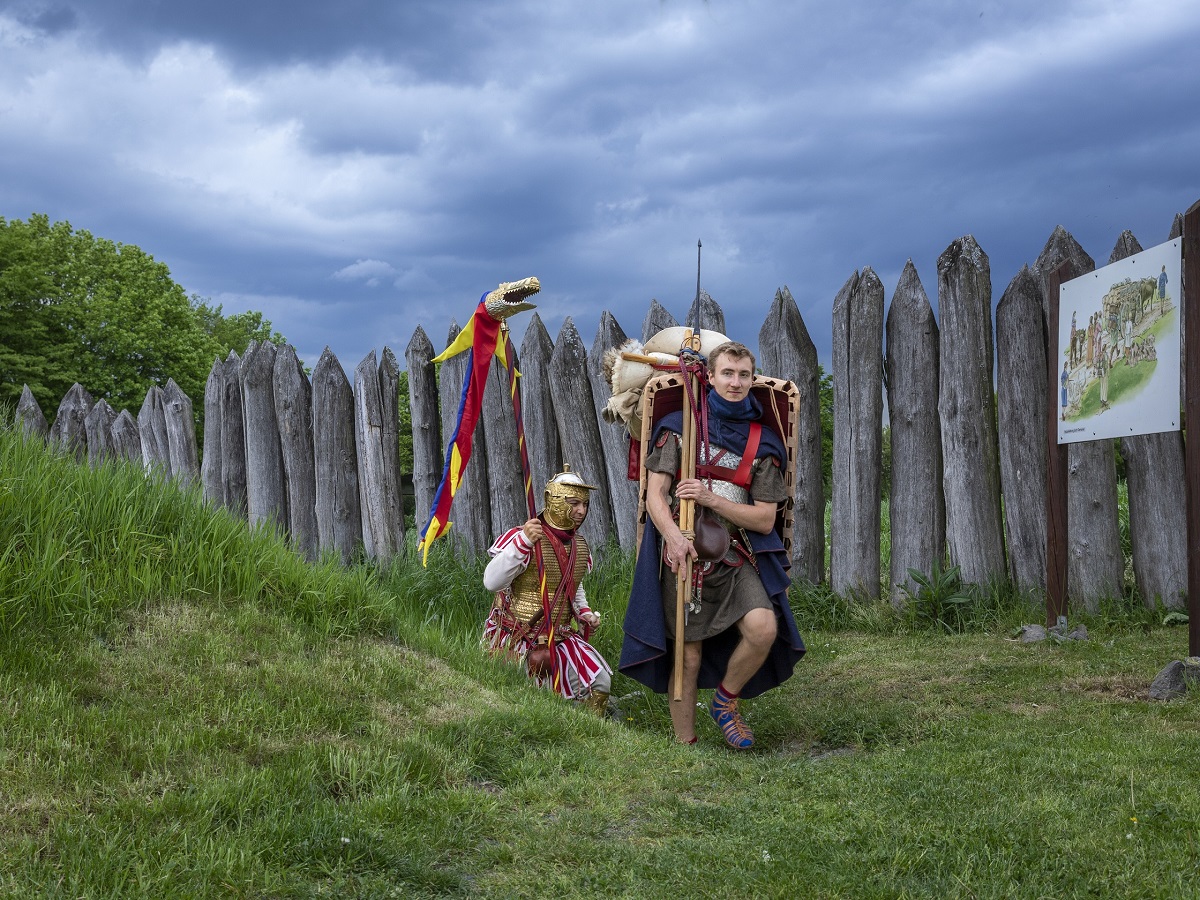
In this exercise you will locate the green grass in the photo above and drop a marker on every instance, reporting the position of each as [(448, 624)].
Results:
[(192, 711)]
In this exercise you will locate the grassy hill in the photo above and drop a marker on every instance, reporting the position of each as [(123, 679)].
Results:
[(191, 711)]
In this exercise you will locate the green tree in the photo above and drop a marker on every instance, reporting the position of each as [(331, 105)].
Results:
[(825, 392), (74, 308), (34, 347), (234, 332)]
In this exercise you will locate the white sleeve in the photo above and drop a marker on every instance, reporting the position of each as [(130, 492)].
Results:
[(510, 557)]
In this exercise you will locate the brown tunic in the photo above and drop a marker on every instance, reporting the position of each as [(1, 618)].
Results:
[(729, 591)]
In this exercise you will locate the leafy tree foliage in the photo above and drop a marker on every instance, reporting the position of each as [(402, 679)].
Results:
[(75, 308), (825, 393)]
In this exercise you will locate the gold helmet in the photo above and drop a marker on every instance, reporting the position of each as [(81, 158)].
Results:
[(560, 490)]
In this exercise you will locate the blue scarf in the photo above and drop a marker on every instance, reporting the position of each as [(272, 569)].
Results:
[(723, 414)]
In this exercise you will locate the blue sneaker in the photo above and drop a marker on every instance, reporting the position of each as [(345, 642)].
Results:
[(725, 713)]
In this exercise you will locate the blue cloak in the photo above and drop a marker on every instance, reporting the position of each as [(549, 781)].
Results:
[(646, 651)]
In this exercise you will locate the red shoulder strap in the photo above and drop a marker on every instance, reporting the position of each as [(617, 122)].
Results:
[(742, 476)]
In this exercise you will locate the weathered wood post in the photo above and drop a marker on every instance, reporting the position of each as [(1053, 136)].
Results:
[(471, 512), (658, 318), (426, 425), (233, 437), (127, 443), (29, 418), (293, 410), (69, 430), (787, 351), (266, 491), (706, 313), (389, 406), (181, 433), (210, 457), (335, 459), (1096, 565), (574, 411), (152, 429), (917, 508), (970, 446), (376, 485), (506, 485), (1021, 397), (1157, 508), (98, 426), (857, 435), (537, 406), (614, 437)]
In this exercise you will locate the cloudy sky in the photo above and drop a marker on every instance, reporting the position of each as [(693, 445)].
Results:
[(359, 168)]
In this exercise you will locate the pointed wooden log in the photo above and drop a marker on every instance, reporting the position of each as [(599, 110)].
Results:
[(389, 407), (657, 319), (1154, 470), (379, 539), (98, 426), (582, 449), (426, 424), (471, 512), (335, 460), (506, 485), (69, 430), (293, 410), (30, 419), (1021, 396), (181, 433), (970, 448), (537, 407), (126, 442), (1095, 563), (210, 458), (266, 489), (857, 436), (233, 437), (152, 429), (917, 511), (787, 351), (614, 439), (708, 313)]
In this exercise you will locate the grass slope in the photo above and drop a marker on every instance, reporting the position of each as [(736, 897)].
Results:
[(191, 711)]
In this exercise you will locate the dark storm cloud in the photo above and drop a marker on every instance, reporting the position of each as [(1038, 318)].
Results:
[(354, 170)]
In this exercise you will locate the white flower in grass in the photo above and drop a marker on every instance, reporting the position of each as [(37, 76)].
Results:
[(766, 856)]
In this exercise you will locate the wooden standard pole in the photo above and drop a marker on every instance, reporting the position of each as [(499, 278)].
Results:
[(687, 515)]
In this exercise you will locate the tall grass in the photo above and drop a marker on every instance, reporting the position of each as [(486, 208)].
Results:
[(78, 544), (193, 711)]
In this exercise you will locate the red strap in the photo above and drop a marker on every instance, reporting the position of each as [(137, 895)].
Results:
[(742, 478), (741, 475)]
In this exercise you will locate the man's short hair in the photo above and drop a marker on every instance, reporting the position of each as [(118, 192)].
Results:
[(734, 349)]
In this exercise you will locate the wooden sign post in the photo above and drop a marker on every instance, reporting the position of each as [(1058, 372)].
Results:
[(1190, 304)]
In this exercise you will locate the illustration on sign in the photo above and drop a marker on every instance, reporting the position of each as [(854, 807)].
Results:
[(1118, 346)]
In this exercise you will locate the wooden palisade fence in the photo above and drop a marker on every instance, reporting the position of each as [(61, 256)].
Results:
[(317, 459)]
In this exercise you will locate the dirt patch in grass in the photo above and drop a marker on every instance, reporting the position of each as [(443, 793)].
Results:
[(1110, 687)]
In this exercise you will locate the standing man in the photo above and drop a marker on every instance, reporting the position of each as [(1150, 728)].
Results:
[(536, 571), (739, 634)]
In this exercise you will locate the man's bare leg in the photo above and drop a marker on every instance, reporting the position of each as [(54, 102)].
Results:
[(758, 634)]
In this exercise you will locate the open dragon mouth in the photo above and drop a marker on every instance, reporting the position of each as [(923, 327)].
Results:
[(511, 298)]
